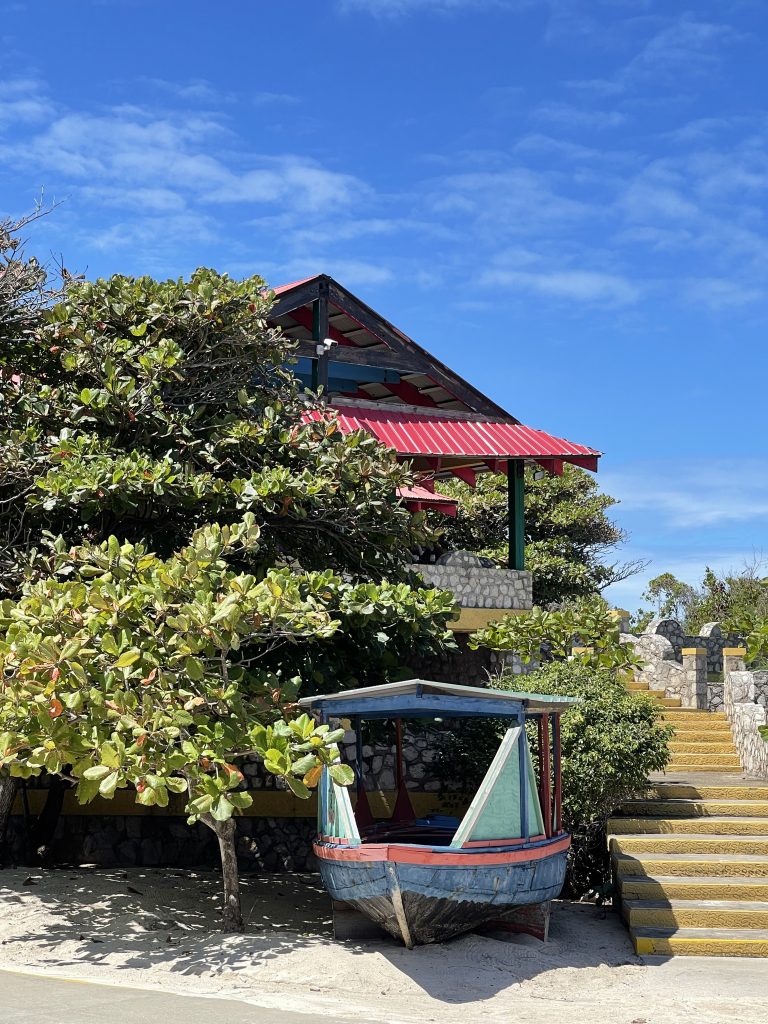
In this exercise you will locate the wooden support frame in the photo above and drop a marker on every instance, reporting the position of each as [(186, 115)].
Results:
[(545, 775), (557, 824), (319, 334), (516, 492)]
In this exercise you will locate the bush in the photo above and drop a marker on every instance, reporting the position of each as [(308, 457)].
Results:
[(611, 740)]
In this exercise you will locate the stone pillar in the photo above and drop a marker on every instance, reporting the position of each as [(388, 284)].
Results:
[(694, 694), (734, 660), (623, 617)]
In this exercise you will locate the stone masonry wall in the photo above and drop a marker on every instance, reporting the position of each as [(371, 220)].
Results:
[(478, 585), (746, 705), (710, 636)]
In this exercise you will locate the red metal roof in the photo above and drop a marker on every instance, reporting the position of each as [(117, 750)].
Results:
[(291, 284), (431, 434), (416, 496)]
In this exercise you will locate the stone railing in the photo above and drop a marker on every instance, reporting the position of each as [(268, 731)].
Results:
[(746, 704)]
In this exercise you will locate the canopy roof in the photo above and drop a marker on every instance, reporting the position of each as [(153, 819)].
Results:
[(424, 698), (465, 437)]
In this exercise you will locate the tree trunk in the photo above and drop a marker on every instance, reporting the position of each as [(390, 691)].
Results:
[(43, 829), (231, 914), (8, 787)]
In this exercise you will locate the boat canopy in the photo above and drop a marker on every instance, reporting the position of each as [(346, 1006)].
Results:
[(424, 698)]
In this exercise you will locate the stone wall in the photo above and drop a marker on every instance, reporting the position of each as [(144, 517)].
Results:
[(465, 666), (477, 583), (662, 648), (710, 636), (746, 705)]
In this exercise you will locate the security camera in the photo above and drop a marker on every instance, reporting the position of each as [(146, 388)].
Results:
[(325, 346)]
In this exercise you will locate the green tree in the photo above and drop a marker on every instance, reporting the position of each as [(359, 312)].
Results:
[(737, 600), (144, 410), (587, 631), (567, 529)]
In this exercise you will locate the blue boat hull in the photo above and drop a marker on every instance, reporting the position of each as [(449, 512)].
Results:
[(433, 901)]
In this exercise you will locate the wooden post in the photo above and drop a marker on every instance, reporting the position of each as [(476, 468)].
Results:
[(359, 756), (522, 747), (319, 334), (516, 492), (545, 777), (558, 816)]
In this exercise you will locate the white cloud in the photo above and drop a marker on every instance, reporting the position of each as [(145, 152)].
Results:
[(24, 101), (718, 293), (576, 285), (704, 494), (566, 115), (138, 151), (389, 8)]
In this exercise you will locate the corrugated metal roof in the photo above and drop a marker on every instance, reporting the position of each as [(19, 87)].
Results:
[(421, 496), (292, 284), (431, 434)]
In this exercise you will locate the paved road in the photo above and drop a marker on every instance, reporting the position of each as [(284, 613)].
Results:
[(33, 999)]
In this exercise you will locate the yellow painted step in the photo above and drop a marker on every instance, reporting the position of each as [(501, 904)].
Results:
[(702, 864), (694, 715), (701, 942), (685, 767), (669, 702), (683, 746), (710, 762), (671, 914), (688, 791), (681, 887), (684, 808), (688, 843), (716, 733), (635, 686), (722, 826)]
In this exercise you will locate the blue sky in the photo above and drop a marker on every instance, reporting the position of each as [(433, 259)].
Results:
[(563, 199)]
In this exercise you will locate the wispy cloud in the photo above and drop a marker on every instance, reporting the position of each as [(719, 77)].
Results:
[(577, 285), (24, 101), (695, 494), (566, 115), (389, 8)]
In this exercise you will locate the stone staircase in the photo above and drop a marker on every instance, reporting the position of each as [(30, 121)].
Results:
[(690, 855)]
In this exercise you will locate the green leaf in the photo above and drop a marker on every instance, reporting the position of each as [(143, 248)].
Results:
[(109, 755), (342, 774), (97, 771), (298, 787), (194, 668), (222, 809), (128, 658), (108, 784)]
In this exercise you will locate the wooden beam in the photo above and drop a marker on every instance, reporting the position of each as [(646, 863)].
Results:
[(516, 491), (382, 358), (299, 296), (410, 393), (466, 474), (553, 466), (303, 317), (584, 462), (438, 371)]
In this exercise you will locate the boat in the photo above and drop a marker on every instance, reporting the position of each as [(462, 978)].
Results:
[(427, 879)]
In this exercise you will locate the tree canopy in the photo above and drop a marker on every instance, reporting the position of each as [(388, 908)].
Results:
[(193, 552)]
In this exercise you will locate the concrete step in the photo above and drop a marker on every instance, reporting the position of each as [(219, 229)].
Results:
[(704, 762), (725, 825), (693, 715), (688, 843), (686, 808), (715, 733), (666, 702), (701, 942), (693, 888), (707, 791), (636, 684), (672, 914), (678, 745), (691, 864)]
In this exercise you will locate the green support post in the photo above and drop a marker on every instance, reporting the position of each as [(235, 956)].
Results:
[(516, 489), (320, 333)]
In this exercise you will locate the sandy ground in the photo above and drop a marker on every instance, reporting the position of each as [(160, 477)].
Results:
[(158, 929)]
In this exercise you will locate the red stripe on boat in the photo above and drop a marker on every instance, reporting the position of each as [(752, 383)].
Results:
[(418, 855)]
